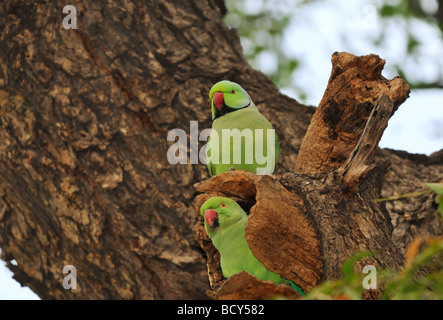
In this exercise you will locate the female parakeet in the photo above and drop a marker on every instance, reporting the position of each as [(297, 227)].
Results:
[(241, 138), (225, 223)]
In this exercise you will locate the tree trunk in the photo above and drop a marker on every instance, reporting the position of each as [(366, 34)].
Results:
[(84, 175)]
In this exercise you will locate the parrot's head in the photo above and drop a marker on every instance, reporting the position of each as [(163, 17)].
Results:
[(219, 213), (227, 96)]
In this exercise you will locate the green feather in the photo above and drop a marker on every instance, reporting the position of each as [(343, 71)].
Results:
[(228, 234), (239, 112)]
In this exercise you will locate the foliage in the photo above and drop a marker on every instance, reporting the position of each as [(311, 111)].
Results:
[(427, 10), (261, 33), (262, 26), (421, 278), (349, 287), (422, 275)]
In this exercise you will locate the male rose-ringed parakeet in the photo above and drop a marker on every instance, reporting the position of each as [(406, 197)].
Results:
[(241, 138), (225, 223)]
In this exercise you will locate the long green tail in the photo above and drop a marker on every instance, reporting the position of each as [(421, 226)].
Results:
[(296, 288)]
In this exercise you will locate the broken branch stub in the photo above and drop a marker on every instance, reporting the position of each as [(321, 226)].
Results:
[(354, 87), (360, 159)]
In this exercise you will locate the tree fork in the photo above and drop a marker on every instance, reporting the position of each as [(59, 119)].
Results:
[(304, 225)]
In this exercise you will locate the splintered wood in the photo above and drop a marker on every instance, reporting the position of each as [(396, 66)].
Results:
[(355, 86)]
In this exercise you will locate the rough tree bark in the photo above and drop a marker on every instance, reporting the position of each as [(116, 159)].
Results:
[(84, 177)]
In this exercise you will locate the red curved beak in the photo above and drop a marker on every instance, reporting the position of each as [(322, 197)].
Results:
[(210, 216), (218, 99)]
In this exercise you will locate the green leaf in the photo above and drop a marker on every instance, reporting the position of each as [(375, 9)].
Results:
[(388, 10), (436, 187), (413, 43)]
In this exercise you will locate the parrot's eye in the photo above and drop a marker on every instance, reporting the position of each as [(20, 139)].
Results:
[(222, 205), (232, 91)]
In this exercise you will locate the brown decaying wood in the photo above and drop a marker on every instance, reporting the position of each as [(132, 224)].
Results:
[(84, 177), (278, 220), (354, 87), (361, 157), (243, 286)]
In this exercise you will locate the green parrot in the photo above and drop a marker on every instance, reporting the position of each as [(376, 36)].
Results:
[(241, 138), (225, 224)]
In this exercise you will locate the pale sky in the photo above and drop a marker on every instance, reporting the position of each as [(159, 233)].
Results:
[(11, 289)]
